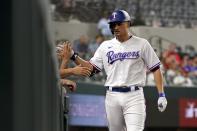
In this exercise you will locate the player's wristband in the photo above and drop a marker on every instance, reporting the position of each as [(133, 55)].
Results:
[(74, 56), (162, 94)]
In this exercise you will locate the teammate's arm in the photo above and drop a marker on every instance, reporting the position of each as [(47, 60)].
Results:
[(79, 61), (82, 62), (78, 70), (66, 54), (93, 69)]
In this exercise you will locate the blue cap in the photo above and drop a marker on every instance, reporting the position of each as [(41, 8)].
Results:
[(119, 16)]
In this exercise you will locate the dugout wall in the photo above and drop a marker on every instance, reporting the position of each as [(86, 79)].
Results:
[(181, 111), (36, 94), (72, 31)]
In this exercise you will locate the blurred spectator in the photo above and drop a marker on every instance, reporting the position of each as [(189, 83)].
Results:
[(194, 73), (94, 45), (156, 23), (81, 46), (67, 3), (170, 75), (188, 63), (191, 68), (178, 78), (182, 79), (172, 64), (190, 50), (103, 26), (180, 67), (171, 56)]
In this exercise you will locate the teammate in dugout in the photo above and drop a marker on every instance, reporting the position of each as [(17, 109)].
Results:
[(125, 59), (63, 52)]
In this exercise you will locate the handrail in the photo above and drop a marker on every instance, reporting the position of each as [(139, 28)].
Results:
[(165, 39), (160, 41)]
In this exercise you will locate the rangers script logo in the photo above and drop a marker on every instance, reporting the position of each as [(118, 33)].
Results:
[(112, 56)]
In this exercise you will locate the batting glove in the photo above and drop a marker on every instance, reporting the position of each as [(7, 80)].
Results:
[(162, 102)]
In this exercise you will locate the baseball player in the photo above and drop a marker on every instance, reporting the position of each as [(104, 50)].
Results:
[(125, 59)]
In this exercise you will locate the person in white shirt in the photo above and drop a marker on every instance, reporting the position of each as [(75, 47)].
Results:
[(103, 26)]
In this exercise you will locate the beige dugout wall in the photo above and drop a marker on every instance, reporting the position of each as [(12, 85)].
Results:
[(73, 30)]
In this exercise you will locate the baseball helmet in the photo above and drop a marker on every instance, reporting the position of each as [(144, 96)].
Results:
[(119, 16)]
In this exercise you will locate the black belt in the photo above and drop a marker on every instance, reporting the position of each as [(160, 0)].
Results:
[(123, 88)]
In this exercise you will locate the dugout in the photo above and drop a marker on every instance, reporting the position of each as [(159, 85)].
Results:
[(30, 94)]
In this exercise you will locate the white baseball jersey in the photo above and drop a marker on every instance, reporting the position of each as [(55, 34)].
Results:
[(125, 63)]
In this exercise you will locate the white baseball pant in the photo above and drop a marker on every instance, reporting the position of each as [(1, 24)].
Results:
[(125, 111)]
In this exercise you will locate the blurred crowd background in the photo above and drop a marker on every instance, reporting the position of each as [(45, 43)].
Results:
[(179, 63), (162, 13)]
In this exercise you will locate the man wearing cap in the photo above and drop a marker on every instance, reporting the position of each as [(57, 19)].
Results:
[(125, 59)]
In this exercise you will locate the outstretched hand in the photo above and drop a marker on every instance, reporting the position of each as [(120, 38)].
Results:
[(67, 51), (81, 71)]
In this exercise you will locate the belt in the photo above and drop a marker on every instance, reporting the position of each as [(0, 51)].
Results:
[(123, 88)]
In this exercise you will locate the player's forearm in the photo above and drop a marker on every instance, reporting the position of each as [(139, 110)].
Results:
[(82, 62), (64, 64), (159, 80), (66, 72)]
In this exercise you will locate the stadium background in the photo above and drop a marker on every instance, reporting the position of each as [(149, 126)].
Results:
[(33, 101), (164, 24)]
